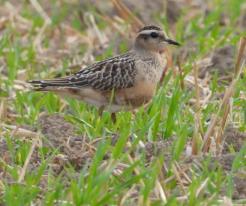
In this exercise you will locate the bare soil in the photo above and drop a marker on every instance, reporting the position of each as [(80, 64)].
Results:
[(78, 151)]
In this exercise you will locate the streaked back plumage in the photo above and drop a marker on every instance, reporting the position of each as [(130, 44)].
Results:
[(132, 76), (114, 73)]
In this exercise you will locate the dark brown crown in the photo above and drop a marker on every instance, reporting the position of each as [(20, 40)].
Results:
[(150, 27)]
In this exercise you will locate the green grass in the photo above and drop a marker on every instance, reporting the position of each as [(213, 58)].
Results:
[(169, 115)]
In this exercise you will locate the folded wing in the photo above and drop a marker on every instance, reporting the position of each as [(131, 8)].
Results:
[(114, 73)]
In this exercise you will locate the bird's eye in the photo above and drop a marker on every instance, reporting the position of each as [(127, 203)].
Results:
[(154, 34)]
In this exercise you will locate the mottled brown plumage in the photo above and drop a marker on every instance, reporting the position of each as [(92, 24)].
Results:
[(123, 82)]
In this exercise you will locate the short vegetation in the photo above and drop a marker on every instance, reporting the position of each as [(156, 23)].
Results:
[(186, 148)]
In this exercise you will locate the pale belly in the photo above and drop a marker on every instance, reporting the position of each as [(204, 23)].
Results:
[(121, 100), (121, 104), (130, 98)]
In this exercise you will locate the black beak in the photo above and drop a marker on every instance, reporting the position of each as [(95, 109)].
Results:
[(170, 41)]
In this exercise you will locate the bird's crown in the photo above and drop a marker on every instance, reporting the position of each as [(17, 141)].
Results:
[(150, 27)]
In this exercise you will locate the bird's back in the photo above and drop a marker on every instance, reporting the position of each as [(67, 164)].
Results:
[(114, 73)]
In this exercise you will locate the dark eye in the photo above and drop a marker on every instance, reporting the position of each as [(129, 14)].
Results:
[(154, 34)]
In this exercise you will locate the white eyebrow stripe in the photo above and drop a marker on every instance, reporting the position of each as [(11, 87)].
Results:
[(153, 30), (149, 31)]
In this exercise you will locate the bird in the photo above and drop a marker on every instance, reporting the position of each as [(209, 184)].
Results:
[(121, 83)]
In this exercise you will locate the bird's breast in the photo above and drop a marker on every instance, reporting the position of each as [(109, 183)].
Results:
[(141, 93), (151, 69)]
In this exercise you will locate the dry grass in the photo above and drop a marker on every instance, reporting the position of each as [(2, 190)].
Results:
[(163, 154)]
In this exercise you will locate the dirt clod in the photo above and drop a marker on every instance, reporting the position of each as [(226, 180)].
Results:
[(55, 128), (74, 150), (234, 139), (221, 62), (240, 189)]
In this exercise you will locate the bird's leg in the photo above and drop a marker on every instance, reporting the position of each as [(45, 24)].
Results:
[(113, 117), (134, 113), (100, 111)]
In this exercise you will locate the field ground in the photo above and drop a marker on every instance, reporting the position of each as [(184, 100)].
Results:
[(186, 148)]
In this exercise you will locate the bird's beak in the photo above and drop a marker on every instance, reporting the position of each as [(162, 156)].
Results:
[(170, 41)]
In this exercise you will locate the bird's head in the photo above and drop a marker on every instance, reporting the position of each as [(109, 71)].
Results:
[(153, 38)]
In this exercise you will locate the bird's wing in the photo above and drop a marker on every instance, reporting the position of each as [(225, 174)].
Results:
[(114, 73)]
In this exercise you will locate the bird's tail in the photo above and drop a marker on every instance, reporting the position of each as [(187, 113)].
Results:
[(49, 84)]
